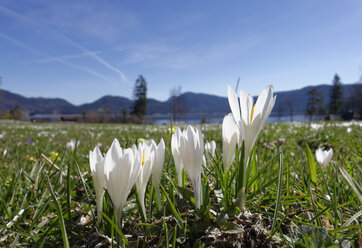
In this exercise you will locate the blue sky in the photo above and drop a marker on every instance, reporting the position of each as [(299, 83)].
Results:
[(82, 50)]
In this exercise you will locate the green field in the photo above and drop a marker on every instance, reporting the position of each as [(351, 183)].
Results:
[(47, 192)]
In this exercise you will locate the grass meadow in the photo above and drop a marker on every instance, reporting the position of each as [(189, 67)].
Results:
[(47, 193)]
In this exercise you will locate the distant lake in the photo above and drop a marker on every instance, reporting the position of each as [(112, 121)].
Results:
[(218, 120)]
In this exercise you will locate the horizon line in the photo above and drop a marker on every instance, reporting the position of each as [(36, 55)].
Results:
[(53, 98)]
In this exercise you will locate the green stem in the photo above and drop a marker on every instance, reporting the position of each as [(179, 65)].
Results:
[(242, 192), (156, 186), (196, 182)]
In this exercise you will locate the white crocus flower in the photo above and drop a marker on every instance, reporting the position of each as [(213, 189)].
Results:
[(203, 160), (157, 166), (146, 156), (175, 148), (230, 137), (250, 119), (210, 148), (72, 144), (191, 152), (324, 156), (121, 168), (96, 162)]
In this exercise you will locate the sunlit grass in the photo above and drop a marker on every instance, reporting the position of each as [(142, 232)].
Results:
[(47, 194)]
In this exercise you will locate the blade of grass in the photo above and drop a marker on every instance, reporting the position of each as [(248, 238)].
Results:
[(353, 218), (345, 228), (115, 227), (86, 188), (166, 235), (262, 170), (240, 154), (69, 199), (314, 205), (356, 188), (312, 167), (60, 214), (174, 237), (278, 192), (173, 208), (321, 212)]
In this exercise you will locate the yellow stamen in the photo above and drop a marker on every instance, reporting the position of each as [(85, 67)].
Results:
[(143, 159), (252, 112)]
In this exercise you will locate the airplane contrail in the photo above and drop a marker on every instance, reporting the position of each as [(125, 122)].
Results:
[(93, 55), (59, 59)]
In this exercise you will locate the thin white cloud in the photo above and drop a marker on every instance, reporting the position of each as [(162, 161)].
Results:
[(99, 59), (59, 59), (95, 73), (109, 66), (139, 53), (157, 54), (64, 57), (16, 15), (19, 44), (96, 57), (106, 22), (161, 55)]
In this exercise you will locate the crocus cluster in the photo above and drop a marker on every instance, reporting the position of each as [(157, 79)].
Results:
[(120, 169)]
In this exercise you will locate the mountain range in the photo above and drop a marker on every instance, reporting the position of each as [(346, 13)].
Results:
[(193, 103)]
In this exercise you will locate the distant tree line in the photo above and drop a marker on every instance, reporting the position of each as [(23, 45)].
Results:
[(339, 106), (138, 112), (16, 113), (177, 104), (102, 115)]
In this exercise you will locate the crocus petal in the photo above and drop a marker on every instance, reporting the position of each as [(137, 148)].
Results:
[(210, 148), (158, 161), (213, 148), (191, 152), (230, 134), (234, 104), (329, 155), (262, 103), (113, 171), (121, 172), (157, 167), (175, 143), (146, 156), (246, 106), (200, 146), (96, 162)]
